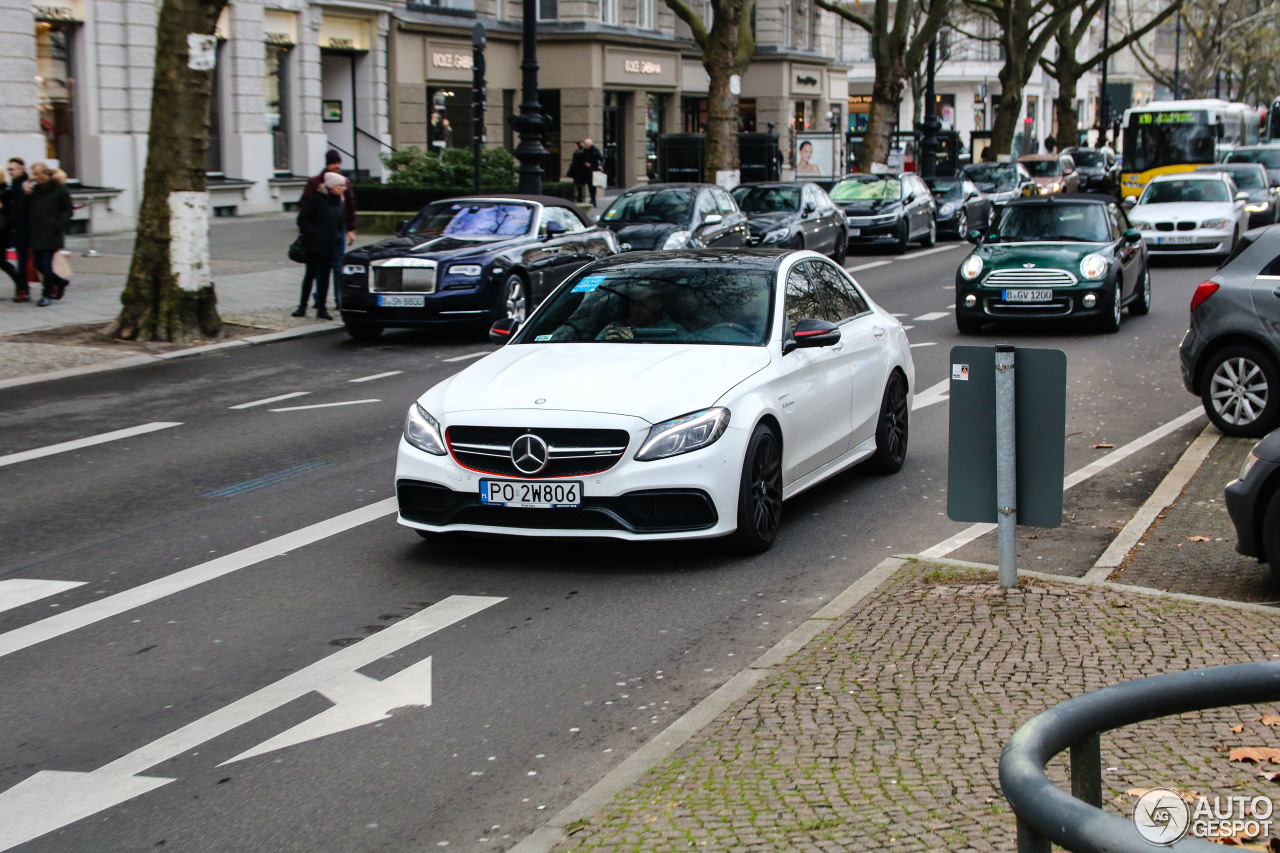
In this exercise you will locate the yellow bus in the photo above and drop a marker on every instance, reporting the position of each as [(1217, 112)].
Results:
[(1177, 136)]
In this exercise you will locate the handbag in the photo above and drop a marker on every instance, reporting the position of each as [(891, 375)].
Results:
[(297, 252), (599, 180), (61, 266)]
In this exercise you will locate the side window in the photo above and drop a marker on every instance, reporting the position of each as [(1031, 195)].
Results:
[(706, 205), (825, 202), (1118, 223), (564, 217), (841, 299), (1272, 268), (809, 198), (803, 295), (725, 202)]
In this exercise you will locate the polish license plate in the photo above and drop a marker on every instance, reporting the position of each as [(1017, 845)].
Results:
[(855, 232), (397, 301), (531, 494), (1037, 295), (1173, 241)]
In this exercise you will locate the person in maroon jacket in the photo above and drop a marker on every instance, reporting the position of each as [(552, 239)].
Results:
[(333, 163)]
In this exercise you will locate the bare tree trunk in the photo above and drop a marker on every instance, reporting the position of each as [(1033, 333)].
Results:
[(886, 101), (1064, 108), (722, 105), (169, 295), (1008, 116)]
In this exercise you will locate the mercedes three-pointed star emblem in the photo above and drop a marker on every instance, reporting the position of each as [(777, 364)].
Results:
[(529, 454)]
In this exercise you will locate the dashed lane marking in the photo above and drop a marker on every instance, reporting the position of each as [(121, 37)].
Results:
[(466, 357), (377, 376), (324, 405), (932, 315), (275, 399), (19, 591), (925, 344), (871, 265), (925, 252), (77, 444)]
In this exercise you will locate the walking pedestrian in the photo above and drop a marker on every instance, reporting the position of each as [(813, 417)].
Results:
[(15, 208), (594, 161), (333, 163), (320, 219), (48, 214), (578, 173)]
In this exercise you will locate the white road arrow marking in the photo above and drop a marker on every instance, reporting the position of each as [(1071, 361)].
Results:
[(932, 394), (52, 799), (19, 591)]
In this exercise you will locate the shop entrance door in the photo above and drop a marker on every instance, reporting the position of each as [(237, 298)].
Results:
[(610, 141)]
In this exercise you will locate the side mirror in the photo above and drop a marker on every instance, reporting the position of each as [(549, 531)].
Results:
[(1133, 235), (402, 227), (811, 333), (554, 229), (712, 219), (1242, 196), (974, 237), (910, 198), (501, 331), (809, 208), (1129, 203)]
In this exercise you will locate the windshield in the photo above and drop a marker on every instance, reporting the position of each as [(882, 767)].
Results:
[(1089, 159), (1176, 192), (767, 199), (664, 205), (1043, 168), (1269, 157), (1153, 140), (945, 189), (472, 220), (867, 189), (1247, 179), (1074, 223), (658, 303), (1000, 174)]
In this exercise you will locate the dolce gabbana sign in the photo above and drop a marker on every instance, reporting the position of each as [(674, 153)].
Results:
[(631, 68), (451, 60), (641, 66)]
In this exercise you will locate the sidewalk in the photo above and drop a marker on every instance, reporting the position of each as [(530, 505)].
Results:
[(879, 724)]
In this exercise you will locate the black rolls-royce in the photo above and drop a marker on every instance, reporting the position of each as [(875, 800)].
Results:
[(468, 261)]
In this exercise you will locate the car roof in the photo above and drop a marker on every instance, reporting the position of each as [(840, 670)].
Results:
[(1028, 158), (1194, 176), (782, 184), (675, 185), (763, 259), (1230, 167), (1061, 198)]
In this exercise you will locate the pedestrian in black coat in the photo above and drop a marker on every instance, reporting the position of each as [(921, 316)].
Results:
[(594, 161), (49, 211), (320, 219), (578, 173), (17, 233)]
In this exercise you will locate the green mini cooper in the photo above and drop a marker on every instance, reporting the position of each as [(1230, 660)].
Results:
[(1054, 257)]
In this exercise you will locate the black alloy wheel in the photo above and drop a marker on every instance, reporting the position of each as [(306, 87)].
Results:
[(759, 494), (904, 235), (1240, 388), (892, 427), (841, 254)]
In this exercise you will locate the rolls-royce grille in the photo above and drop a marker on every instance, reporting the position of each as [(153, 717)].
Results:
[(569, 452), (404, 280), (1030, 278)]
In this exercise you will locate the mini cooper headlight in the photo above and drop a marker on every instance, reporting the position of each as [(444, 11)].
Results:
[(684, 434), (353, 269), (971, 267), (1216, 223), (1093, 267), (468, 270), (423, 431), (775, 235)]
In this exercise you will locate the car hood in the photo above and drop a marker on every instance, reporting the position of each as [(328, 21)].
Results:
[(880, 205), (650, 381), (759, 223), (1184, 211), (644, 235), (440, 247), (990, 187), (1046, 255)]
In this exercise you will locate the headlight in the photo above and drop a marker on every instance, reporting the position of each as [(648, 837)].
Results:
[(353, 269), (946, 210), (1248, 463), (468, 270), (1258, 207), (684, 434), (679, 240), (423, 431), (775, 235), (883, 218), (1216, 223), (1093, 266), (1001, 198), (971, 267), (1141, 226)]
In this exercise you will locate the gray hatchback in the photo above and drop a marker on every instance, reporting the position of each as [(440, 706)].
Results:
[(1231, 353)]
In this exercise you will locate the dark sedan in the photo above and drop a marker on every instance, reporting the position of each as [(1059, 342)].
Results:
[(676, 216), (1253, 501), (468, 261), (960, 205), (1231, 352), (795, 216), (1001, 182), (1097, 168), (892, 209), (1251, 178), (1268, 155)]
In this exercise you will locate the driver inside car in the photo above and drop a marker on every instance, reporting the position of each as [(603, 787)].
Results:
[(646, 315)]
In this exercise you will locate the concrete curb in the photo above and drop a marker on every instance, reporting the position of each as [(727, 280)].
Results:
[(134, 361)]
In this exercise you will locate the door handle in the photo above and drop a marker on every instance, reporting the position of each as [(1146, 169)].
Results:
[(878, 331)]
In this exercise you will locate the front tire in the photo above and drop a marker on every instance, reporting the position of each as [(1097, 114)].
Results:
[(515, 298), (759, 493), (904, 237), (1240, 389), (1142, 305), (962, 224), (1110, 322), (1271, 533), (892, 427), (930, 237), (967, 325), (841, 253), (362, 332)]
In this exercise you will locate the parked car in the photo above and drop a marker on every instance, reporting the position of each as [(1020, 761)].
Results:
[(1098, 170), (796, 215), (663, 395), (1053, 173), (1051, 258), (1267, 154), (960, 205), (1231, 353), (1197, 213), (467, 261), (1253, 502), (676, 216), (887, 209), (1001, 182), (1262, 205)]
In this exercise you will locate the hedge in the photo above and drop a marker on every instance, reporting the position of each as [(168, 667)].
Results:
[(374, 196)]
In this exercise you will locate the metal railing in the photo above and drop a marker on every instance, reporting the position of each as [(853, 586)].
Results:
[(1048, 815)]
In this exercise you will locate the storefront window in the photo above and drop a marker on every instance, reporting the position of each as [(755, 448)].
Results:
[(450, 122), (747, 115), (278, 104), (55, 88)]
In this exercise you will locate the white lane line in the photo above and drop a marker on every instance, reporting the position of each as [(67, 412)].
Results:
[(377, 376), (899, 315), (267, 400), (907, 328), (63, 447), (466, 357), (869, 266), (925, 252), (925, 344), (964, 537), (324, 405), (19, 591), (932, 315), (933, 394), (122, 602)]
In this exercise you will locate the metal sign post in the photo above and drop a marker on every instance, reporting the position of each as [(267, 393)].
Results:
[(1006, 467)]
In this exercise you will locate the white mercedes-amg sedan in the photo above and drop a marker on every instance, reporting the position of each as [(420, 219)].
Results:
[(671, 395)]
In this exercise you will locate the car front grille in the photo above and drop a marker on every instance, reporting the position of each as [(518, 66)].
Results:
[(1186, 247), (1054, 308), (1030, 278), (1180, 226), (397, 279), (571, 452)]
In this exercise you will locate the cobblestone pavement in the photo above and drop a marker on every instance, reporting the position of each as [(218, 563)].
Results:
[(884, 732)]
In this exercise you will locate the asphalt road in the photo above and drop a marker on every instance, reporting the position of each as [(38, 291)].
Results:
[(235, 567)]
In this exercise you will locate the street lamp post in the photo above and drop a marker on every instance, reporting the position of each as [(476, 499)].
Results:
[(1104, 106), (530, 122), (930, 126)]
